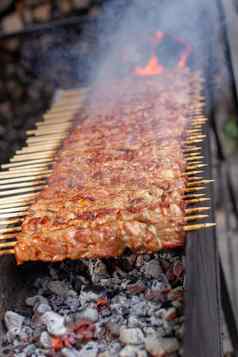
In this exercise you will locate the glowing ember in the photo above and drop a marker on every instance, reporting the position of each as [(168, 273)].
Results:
[(154, 67)]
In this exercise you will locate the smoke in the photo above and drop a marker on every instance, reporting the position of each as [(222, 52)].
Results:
[(124, 30)]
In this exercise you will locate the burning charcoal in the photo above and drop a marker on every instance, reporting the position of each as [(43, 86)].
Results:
[(152, 269), (136, 288), (58, 287), (45, 340), (54, 323), (89, 350), (170, 314), (42, 308), (114, 327), (88, 314), (35, 300), (132, 336), (160, 347), (13, 322)]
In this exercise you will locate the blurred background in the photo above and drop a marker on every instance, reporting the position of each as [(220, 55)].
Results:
[(47, 45)]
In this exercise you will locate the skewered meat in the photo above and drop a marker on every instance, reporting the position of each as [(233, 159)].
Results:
[(118, 181)]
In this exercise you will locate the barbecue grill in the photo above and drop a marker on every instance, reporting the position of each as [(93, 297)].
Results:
[(202, 315)]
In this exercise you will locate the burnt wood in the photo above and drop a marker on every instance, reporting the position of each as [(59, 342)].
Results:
[(202, 289)]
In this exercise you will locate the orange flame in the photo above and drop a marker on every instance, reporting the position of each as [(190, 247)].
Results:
[(151, 69), (154, 67)]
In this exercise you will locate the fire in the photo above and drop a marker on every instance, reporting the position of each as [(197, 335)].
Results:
[(154, 67)]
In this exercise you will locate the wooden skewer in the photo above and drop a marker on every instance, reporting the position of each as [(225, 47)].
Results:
[(197, 200), (194, 195), (18, 198), (195, 227), (7, 245), (45, 138), (13, 209), (7, 236), (191, 173), (192, 189), (38, 148), (12, 215), (199, 136), (47, 131), (194, 158), (192, 154), (193, 141), (199, 182), (10, 229), (30, 168), (56, 121), (23, 163), (27, 157), (21, 184), (192, 149), (21, 174), (7, 252), (15, 205), (8, 222), (49, 125), (197, 209), (21, 190), (22, 179), (195, 217), (195, 166)]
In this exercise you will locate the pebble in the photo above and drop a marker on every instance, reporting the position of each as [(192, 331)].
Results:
[(45, 340), (13, 322), (132, 336), (89, 314), (89, 350), (160, 347), (54, 323)]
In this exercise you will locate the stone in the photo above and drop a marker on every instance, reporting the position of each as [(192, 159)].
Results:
[(54, 323), (132, 351), (69, 352), (152, 269), (13, 322), (36, 300), (45, 340), (89, 350), (12, 23), (89, 314), (160, 347), (133, 336), (42, 308)]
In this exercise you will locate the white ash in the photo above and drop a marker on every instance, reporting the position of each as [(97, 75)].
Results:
[(126, 307)]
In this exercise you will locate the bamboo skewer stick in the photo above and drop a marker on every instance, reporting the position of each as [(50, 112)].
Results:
[(27, 162), (197, 209), (195, 227), (196, 217), (22, 179), (21, 174), (21, 190), (21, 184)]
